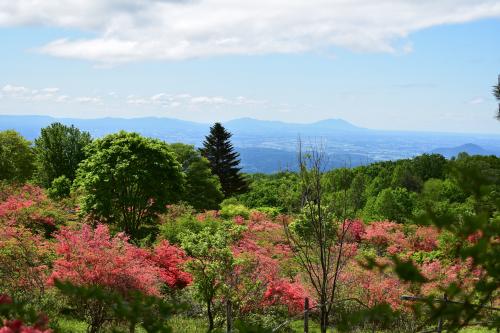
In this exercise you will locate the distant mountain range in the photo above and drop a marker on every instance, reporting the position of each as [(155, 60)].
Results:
[(30, 126), (468, 148), (270, 146)]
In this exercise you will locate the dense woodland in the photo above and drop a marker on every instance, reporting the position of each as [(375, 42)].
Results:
[(130, 234)]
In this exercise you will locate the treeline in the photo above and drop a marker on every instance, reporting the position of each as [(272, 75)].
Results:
[(391, 190)]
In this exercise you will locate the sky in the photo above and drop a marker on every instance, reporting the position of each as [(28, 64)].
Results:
[(426, 65)]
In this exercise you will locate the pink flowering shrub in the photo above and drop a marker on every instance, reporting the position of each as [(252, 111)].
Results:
[(266, 266), (425, 239), (29, 206), (93, 257)]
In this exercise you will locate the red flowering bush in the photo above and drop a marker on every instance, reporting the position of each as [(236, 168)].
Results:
[(17, 326), (29, 206), (93, 257), (356, 230), (170, 259), (289, 294)]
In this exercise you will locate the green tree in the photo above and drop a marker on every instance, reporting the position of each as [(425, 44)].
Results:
[(202, 189), (429, 166), (280, 191), (212, 261), (16, 157), (60, 188), (59, 149), (224, 161), (391, 204), (404, 175), (128, 179)]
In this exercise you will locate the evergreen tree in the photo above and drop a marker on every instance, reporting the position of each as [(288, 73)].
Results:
[(224, 161)]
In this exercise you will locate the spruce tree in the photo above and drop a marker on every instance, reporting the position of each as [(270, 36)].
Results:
[(224, 161)]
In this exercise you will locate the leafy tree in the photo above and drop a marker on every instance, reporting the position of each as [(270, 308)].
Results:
[(429, 166), (212, 261), (224, 161), (59, 149), (280, 191), (16, 157), (202, 189), (392, 204), (60, 188), (404, 176), (128, 180)]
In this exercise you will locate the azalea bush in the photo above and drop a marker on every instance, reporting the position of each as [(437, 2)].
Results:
[(29, 206), (92, 257)]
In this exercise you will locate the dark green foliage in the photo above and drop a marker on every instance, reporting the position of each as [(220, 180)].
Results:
[(152, 313), (202, 189), (16, 157), (128, 179), (59, 150), (60, 188), (224, 161), (405, 176), (429, 166)]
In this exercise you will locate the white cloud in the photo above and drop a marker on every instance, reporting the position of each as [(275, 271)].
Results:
[(50, 90), (131, 30), (476, 101), (51, 94), (88, 99), (187, 100), (14, 90)]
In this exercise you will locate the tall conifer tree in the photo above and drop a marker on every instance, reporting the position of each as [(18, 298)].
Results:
[(224, 161)]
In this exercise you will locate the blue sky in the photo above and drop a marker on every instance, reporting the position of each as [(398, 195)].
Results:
[(400, 66)]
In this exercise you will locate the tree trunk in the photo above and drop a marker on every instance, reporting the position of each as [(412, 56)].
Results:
[(323, 318), (210, 316)]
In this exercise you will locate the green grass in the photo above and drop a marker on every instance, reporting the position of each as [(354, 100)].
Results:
[(198, 325), (188, 325), (71, 325)]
